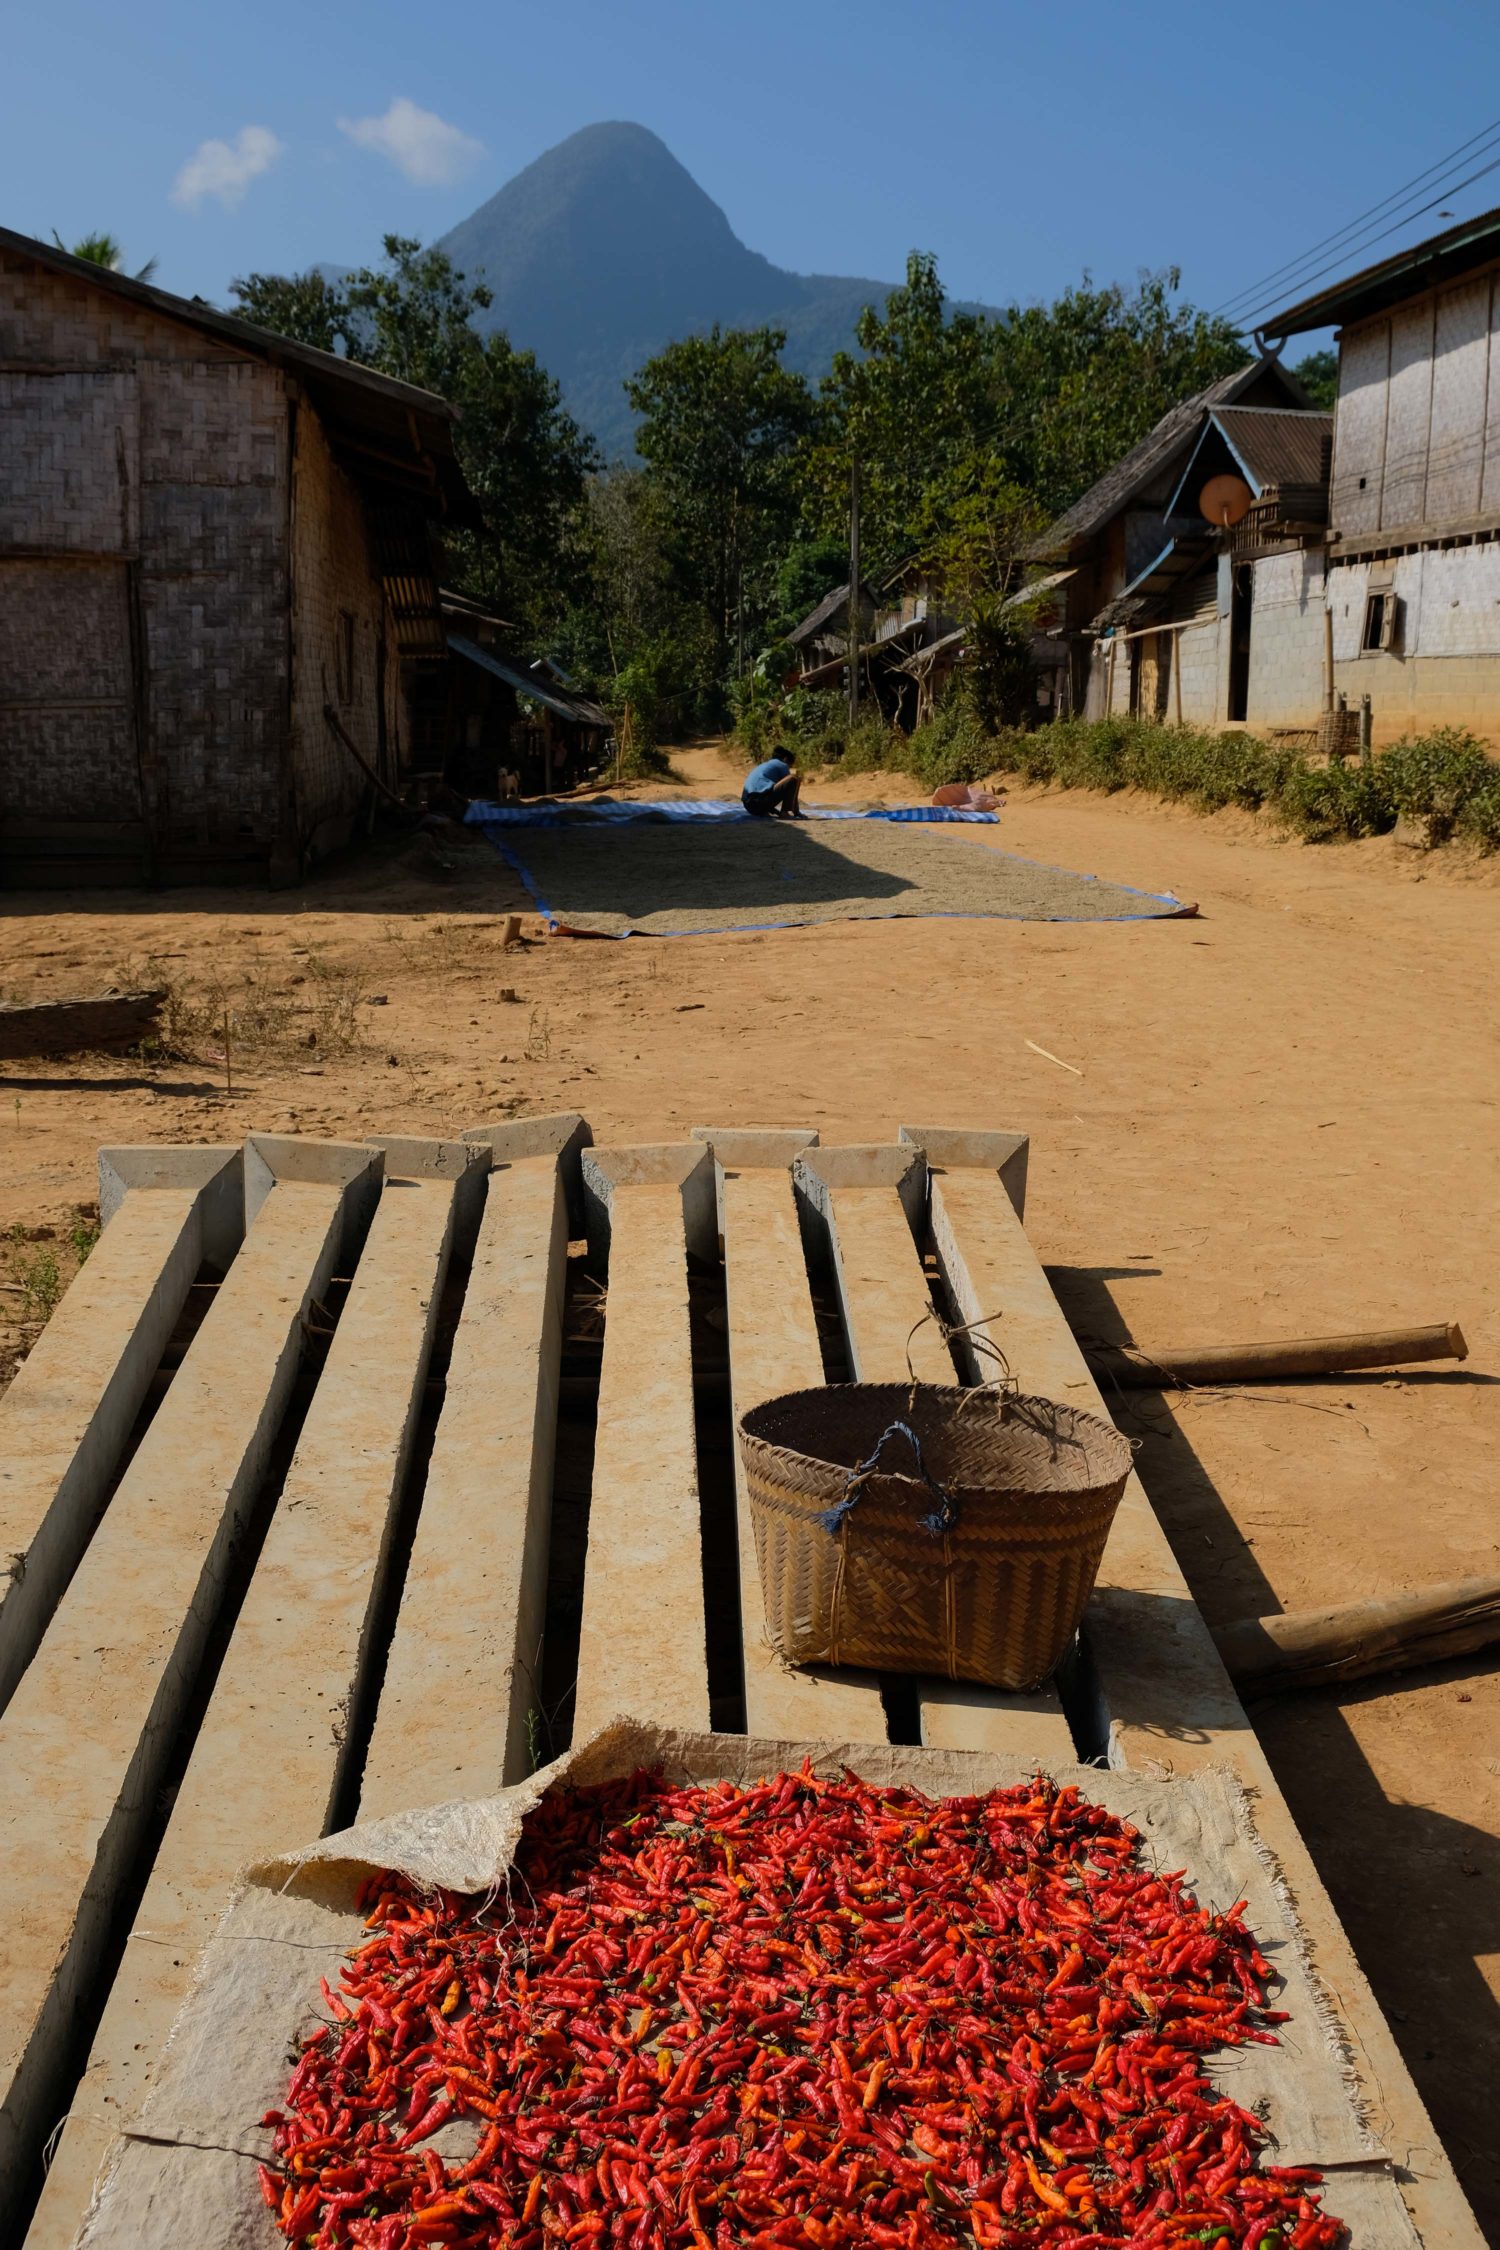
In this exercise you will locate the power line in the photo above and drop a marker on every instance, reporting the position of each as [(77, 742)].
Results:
[(1364, 220), (1256, 290), (1395, 227)]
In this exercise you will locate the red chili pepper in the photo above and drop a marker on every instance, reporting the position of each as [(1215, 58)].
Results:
[(800, 2016)]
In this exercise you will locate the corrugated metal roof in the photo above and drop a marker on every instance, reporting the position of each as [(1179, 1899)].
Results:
[(1178, 560), (574, 709), (1442, 257), (1277, 445), (1144, 461)]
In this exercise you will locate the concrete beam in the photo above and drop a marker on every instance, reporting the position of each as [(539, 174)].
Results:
[(873, 1203), (268, 1767), (462, 1674), (281, 1159), (217, 1175), (563, 1135), (683, 1165), (86, 1742), (954, 1149), (67, 1414), (643, 1638), (1168, 1702), (743, 1147), (774, 1348)]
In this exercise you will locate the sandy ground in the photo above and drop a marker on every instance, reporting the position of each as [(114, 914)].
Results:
[(1278, 1119)]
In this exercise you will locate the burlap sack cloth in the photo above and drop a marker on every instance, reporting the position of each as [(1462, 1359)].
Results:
[(185, 2172)]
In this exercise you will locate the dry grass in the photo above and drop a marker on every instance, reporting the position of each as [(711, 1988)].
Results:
[(257, 1015), (36, 1266)]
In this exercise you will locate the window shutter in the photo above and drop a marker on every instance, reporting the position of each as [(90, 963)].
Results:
[(1388, 620)]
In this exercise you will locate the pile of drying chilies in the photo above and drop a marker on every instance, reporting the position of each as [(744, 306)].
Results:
[(807, 2012)]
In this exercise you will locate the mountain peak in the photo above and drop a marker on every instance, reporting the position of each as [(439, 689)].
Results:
[(606, 248)]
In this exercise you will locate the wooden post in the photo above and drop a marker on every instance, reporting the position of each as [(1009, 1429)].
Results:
[(1313, 1647), (1210, 1364), (1327, 658), (854, 623), (1174, 645)]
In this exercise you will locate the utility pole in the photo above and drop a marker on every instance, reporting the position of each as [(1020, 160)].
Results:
[(854, 590)]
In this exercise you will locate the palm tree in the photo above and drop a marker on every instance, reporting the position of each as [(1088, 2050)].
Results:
[(103, 250)]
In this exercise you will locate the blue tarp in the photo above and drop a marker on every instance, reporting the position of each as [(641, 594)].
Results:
[(604, 811)]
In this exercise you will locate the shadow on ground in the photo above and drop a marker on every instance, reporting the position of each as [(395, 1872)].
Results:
[(1417, 1891)]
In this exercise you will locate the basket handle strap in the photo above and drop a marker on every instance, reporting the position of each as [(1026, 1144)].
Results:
[(943, 1516)]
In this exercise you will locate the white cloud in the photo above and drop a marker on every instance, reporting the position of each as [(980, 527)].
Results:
[(419, 142), (224, 169)]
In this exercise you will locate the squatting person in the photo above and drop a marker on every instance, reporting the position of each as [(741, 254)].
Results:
[(772, 788)]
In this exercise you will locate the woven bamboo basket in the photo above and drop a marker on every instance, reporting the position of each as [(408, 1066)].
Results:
[(911, 1528)]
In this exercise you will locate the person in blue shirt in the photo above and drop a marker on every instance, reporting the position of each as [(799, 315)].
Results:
[(773, 787)]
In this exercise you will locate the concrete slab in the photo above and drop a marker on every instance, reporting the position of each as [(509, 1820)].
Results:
[(72, 1405), (643, 1640), (773, 1348), (872, 1223), (461, 1676), (267, 1769), (1168, 1703), (85, 1743)]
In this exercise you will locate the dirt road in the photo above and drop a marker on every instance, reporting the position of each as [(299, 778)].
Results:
[(1278, 1119)]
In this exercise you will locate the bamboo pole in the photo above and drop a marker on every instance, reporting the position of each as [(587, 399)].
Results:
[(1208, 1364), (1317, 1647)]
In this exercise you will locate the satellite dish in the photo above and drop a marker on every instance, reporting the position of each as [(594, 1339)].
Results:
[(1224, 500)]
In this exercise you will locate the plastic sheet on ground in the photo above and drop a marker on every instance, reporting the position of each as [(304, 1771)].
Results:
[(621, 812)]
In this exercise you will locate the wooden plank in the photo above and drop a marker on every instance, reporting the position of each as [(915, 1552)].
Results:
[(774, 1348), (868, 1199), (461, 1676), (643, 1647), (1168, 1702), (66, 1417), (86, 1741), (267, 1767)]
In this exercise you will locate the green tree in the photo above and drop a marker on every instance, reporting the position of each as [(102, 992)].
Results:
[(307, 307), (525, 457), (907, 408), (722, 426), (808, 570), (103, 250), (1318, 373), (1075, 384)]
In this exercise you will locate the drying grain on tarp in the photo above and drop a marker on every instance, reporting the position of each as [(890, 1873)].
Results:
[(679, 881)]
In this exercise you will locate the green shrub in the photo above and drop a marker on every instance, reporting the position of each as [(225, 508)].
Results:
[(1447, 776), (1322, 802), (1478, 817), (1435, 773)]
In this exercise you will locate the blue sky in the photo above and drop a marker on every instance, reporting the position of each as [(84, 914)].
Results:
[(1022, 143)]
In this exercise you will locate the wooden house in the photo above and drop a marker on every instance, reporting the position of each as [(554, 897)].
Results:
[(1167, 613), (822, 638), (216, 568), (1412, 589)]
